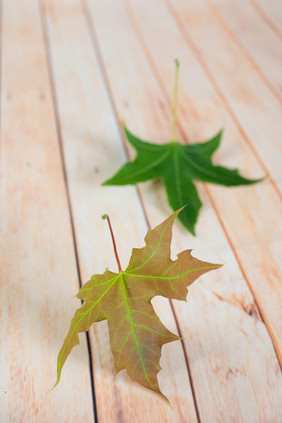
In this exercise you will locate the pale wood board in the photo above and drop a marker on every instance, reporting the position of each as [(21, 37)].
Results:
[(140, 87), (71, 69), (38, 270), (92, 145), (271, 12), (261, 45)]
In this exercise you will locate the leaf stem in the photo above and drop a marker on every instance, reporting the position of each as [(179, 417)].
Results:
[(176, 78), (105, 216)]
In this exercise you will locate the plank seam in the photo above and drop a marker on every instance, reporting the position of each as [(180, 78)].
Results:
[(262, 315), (187, 362), (266, 18), (112, 102), (225, 102), (244, 50), (44, 27)]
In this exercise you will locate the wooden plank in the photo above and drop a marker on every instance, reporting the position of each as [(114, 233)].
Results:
[(255, 108), (38, 268), (92, 147), (271, 12), (257, 40), (220, 322)]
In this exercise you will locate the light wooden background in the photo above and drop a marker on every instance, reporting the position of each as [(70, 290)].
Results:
[(70, 72)]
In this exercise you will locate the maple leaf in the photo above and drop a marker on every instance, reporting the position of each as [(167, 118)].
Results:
[(124, 299), (178, 165)]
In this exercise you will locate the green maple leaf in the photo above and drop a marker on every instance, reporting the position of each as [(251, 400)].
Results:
[(178, 165), (124, 299)]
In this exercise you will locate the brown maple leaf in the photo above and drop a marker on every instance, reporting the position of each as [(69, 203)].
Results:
[(124, 299)]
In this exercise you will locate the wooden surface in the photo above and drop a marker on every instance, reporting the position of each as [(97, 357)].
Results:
[(70, 72)]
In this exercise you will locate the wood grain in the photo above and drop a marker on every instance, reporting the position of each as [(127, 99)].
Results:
[(92, 147), (141, 87), (38, 269), (271, 12), (259, 43)]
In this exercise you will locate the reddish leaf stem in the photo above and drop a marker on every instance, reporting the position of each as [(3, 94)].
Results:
[(105, 216)]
